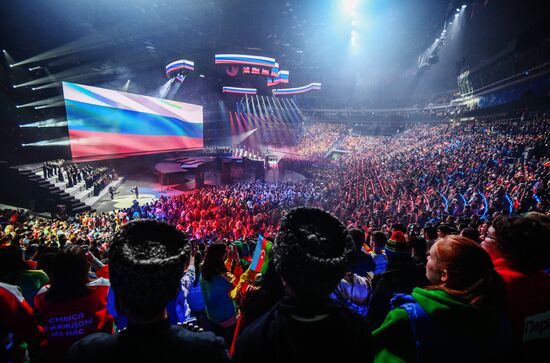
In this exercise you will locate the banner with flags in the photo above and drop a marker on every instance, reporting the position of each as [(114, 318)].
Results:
[(283, 77), (248, 91), (293, 91), (253, 60), (179, 65), (260, 258)]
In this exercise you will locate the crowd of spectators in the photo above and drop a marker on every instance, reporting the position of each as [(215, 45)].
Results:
[(402, 201)]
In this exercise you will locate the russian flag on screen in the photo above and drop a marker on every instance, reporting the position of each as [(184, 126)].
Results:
[(108, 122)]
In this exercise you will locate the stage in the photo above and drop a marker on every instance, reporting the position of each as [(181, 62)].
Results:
[(150, 189)]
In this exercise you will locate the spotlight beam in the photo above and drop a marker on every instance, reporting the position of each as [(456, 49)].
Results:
[(52, 122), (46, 101), (88, 43), (57, 104), (63, 141), (75, 72)]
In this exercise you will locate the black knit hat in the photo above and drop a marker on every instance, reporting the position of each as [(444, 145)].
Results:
[(146, 261), (312, 252)]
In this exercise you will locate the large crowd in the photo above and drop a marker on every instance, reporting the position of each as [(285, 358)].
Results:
[(453, 217)]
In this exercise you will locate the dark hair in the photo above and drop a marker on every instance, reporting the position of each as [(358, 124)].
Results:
[(312, 252), (524, 239), (399, 227), (213, 262), (358, 236), (445, 229), (471, 274), (430, 233), (379, 238), (69, 275), (471, 233), (420, 248), (146, 261), (11, 260)]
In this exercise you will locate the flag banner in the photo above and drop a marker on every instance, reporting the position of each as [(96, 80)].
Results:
[(275, 70), (252, 60), (179, 65), (248, 91), (260, 257), (107, 122), (283, 77), (292, 91)]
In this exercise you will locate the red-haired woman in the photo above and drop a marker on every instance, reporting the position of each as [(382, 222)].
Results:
[(460, 317)]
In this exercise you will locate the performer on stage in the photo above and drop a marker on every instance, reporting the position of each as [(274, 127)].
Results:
[(135, 190), (112, 191)]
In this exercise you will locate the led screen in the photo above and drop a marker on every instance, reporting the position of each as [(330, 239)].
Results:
[(106, 122)]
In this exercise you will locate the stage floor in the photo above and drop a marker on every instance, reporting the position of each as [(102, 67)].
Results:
[(149, 190)]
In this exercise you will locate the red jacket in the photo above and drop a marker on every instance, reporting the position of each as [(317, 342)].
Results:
[(67, 322), (528, 295), (16, 317)]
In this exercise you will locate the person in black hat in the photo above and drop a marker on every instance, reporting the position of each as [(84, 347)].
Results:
[(312, 252), (146, 262)]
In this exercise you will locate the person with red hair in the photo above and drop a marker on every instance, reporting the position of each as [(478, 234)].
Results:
[(463, 311)]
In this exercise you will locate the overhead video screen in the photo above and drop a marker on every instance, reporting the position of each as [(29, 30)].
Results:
[(104, 122)]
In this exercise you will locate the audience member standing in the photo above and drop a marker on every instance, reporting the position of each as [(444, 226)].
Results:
[(72, 306), (311, 253), (520, 249), (146, 264)]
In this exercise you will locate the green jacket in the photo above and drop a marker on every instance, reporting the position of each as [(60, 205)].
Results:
[(487, 331)]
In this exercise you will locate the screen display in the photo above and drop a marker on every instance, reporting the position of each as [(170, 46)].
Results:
[(106, 122)]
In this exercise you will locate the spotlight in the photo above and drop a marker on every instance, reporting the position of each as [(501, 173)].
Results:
[(201, 75), (17, 106), (456, 15), (14, 86), (457, 10), (464, 6), (34, 89), (11, 66)]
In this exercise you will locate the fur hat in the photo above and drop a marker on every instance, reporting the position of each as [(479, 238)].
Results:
[(312, 252), (146, 261)]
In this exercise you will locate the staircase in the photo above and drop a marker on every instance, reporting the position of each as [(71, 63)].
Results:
[(77, 199), (70, 197)]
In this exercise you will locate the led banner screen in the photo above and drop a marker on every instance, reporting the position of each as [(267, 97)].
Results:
[(106, 122)]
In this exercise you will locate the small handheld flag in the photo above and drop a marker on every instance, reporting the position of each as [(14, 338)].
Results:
[(260, 258)]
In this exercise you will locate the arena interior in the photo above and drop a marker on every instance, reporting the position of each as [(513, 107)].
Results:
[(359, 180)]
